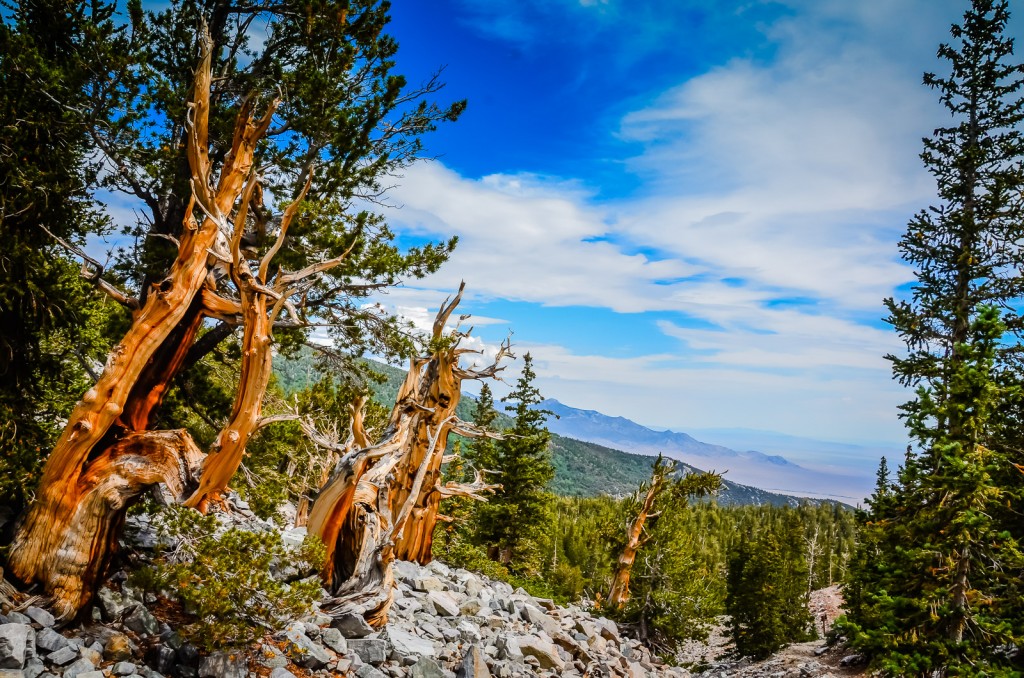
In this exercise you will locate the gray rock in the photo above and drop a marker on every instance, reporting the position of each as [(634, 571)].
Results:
[(281, 672), (49, 640), (91, 674), (17, 644), (427, 584), (147, 672), (508, 647), (293, 538), (334, 639), (405, 644), (123, 669), (474, 587), (439, 568), (113, 604), (272, 657), (142, 622), (34, 668), (40, 616), (540, 619), (608, 629), (367, 671), (305, 651), (851, 660), (79, 667), (161, 658), (543, 651), (469, 631), (188, 655), (444, 603), (473, 664), (17, 618), (352, 626), (223, 665), (425, 667), (64, 655), (370, 650), (406, 571)]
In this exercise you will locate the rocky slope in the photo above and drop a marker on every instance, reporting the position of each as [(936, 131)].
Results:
[(444, 623)]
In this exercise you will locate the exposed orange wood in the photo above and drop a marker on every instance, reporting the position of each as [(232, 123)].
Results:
[(103, 493), (618, 595), (163, 366), (36, 553), (382, 501)]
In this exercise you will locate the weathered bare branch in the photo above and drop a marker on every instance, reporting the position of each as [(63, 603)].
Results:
[(94, 276), (286, 220), (472, 490)]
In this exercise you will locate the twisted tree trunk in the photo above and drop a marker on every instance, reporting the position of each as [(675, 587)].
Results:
[(96, 467), (618, 595), (382, 501)]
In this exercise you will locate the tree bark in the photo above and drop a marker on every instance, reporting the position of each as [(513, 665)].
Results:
[(257, 366), (165, 364), (382, 501), (101, 496), (66, 535), (618, 595)]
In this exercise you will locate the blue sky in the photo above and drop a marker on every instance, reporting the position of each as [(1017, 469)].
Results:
[(687, 210)]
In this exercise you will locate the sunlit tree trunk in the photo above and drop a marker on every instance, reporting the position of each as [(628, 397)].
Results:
[(381, 502), (618, 595), (71, 527)]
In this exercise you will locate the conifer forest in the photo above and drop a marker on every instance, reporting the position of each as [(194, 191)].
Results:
[(222, 453)]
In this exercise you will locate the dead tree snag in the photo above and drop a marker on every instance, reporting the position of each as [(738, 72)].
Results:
[(666, 493)]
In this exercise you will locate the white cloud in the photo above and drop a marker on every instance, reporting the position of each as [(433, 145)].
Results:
[(775, 189)]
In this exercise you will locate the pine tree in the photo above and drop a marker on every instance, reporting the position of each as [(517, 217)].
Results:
[(934, 587), (512, 519), (481, 453), (766, 596), (51, 323)]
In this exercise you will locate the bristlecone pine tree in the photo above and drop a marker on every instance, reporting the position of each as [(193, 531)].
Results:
[(382, 501), (661, 492), (936, 589), (315, 119)]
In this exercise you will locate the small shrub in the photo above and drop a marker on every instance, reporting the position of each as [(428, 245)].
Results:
[(225, 578)]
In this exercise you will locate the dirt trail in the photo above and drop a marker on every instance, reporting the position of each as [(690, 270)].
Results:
[(800, 660)]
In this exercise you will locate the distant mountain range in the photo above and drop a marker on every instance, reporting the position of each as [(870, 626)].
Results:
[(848, 482), (596, 454)]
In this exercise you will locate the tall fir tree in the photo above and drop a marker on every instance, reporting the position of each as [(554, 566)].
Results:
[(510, 522), (481, 453), (935, 586)]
